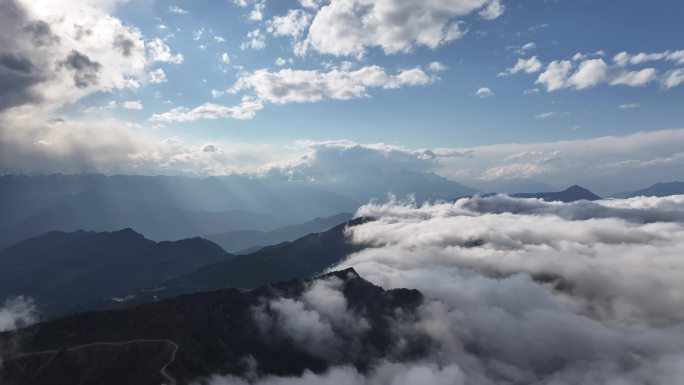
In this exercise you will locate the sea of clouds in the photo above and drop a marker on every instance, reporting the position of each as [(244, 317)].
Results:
[(518, 291)]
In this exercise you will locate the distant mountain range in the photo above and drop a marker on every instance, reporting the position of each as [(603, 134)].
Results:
[(299, 259), (23, 195), (656, 190), (571, 194), (248, 241), (175, 207), (96, 211), (61, 270), (69, 272), (189, 337)]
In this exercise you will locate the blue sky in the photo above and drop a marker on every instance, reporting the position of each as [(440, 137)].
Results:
[(446, 112), (487, 92)]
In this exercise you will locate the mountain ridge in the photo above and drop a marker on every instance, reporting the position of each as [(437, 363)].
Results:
[(659, 189), (61, 269), (213, 332)]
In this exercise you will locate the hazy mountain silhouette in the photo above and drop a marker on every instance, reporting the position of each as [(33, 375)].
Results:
[(193, 336), (22, 196), (248, 241), (60, 270), (656, 190), (571, 194), (96, 211), (423, 186)]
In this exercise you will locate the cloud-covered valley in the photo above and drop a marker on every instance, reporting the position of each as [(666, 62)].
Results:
[(517, 292)]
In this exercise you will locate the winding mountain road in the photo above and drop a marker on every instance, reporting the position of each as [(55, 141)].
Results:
[(164, 373)]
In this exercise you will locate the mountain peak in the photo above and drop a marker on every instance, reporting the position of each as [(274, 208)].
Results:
[(576, 188), (348, 273), (571, 194), (128, 232)]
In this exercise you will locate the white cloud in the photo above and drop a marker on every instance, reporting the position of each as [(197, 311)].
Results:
[(635, 78), (493, 10), (17, 312), (673, 78), (628, 106), (589, 74), (288, 86), (606, 164), (544, 115), (437, 66), (583, 72), (555, 76), (157, 76), (310, 4), (484, 92), (225, 58), (257, 13), (243, 111), (528, 66), (527, 47), (197, 34), (623, 58), (177, 10), (292, 24), (56, 63), (133, 105), (158, 51), (516, 291), (349, 28), (254, 40)]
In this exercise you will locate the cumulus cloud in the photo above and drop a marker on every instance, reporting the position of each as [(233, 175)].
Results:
[(345, 161), (51, 56), (292, 24), (288, 85), (624, 58), (157, 50), (588, 71), (437, 66), (493, 10), (157, 76), (255, 39), (528, 66), (350, 28)]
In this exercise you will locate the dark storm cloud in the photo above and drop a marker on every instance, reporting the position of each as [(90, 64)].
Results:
[(16, 79), (85, 70), (17, 73), (40, 32), (15, 63)]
